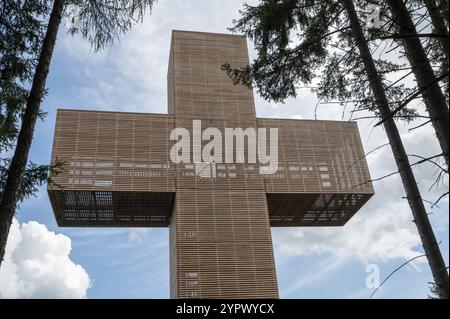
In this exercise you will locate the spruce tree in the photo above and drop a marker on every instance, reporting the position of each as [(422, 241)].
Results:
[(101, 22), (298, 41)]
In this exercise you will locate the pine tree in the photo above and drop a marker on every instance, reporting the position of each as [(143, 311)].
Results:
[(101, 22), (421, 219), (21, 32), (296, 41), (427, 81)]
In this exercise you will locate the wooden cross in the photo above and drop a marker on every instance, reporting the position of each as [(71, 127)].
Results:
[(219, 215)]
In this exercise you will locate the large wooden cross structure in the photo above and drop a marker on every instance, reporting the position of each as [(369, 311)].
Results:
[(120, 175)]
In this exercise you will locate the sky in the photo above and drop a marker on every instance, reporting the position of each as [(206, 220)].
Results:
[(45, 261)]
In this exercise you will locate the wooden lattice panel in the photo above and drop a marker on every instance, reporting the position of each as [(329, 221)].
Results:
[(78, 208), (114, 151), (117, 154), (318, 157), (313, 210), (322, 178)]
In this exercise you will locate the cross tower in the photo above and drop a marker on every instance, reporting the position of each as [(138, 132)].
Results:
[(219, 215)]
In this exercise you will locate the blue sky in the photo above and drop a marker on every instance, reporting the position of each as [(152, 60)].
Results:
[(311, 263)]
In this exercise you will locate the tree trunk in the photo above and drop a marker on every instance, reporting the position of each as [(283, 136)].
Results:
[(426, 79), (438, 24), (18, 164), (421, 220)]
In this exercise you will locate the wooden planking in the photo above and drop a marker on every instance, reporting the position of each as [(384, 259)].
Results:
[(201, 90), (112, 151), (318, 157), (222, 245), (224, 238)]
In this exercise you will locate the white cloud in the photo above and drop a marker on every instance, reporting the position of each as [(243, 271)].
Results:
[(37, 265), (377, 238), (297, 117), (137, 235)]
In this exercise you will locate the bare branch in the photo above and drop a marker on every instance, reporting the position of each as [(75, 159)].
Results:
[(418, 92), (421, 125), (395, 173), (430, 159), (365, 156), (436, 182), (440, 198), (392, 273), (404, 36)]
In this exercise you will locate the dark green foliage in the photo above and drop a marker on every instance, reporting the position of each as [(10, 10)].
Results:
[(21, 32), (34, 177), (102, 22), (345, 80), (22, 27), (281, 63), (301, 41)]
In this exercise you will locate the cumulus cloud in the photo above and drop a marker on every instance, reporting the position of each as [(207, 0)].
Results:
[(37, 265), (382, 237)]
